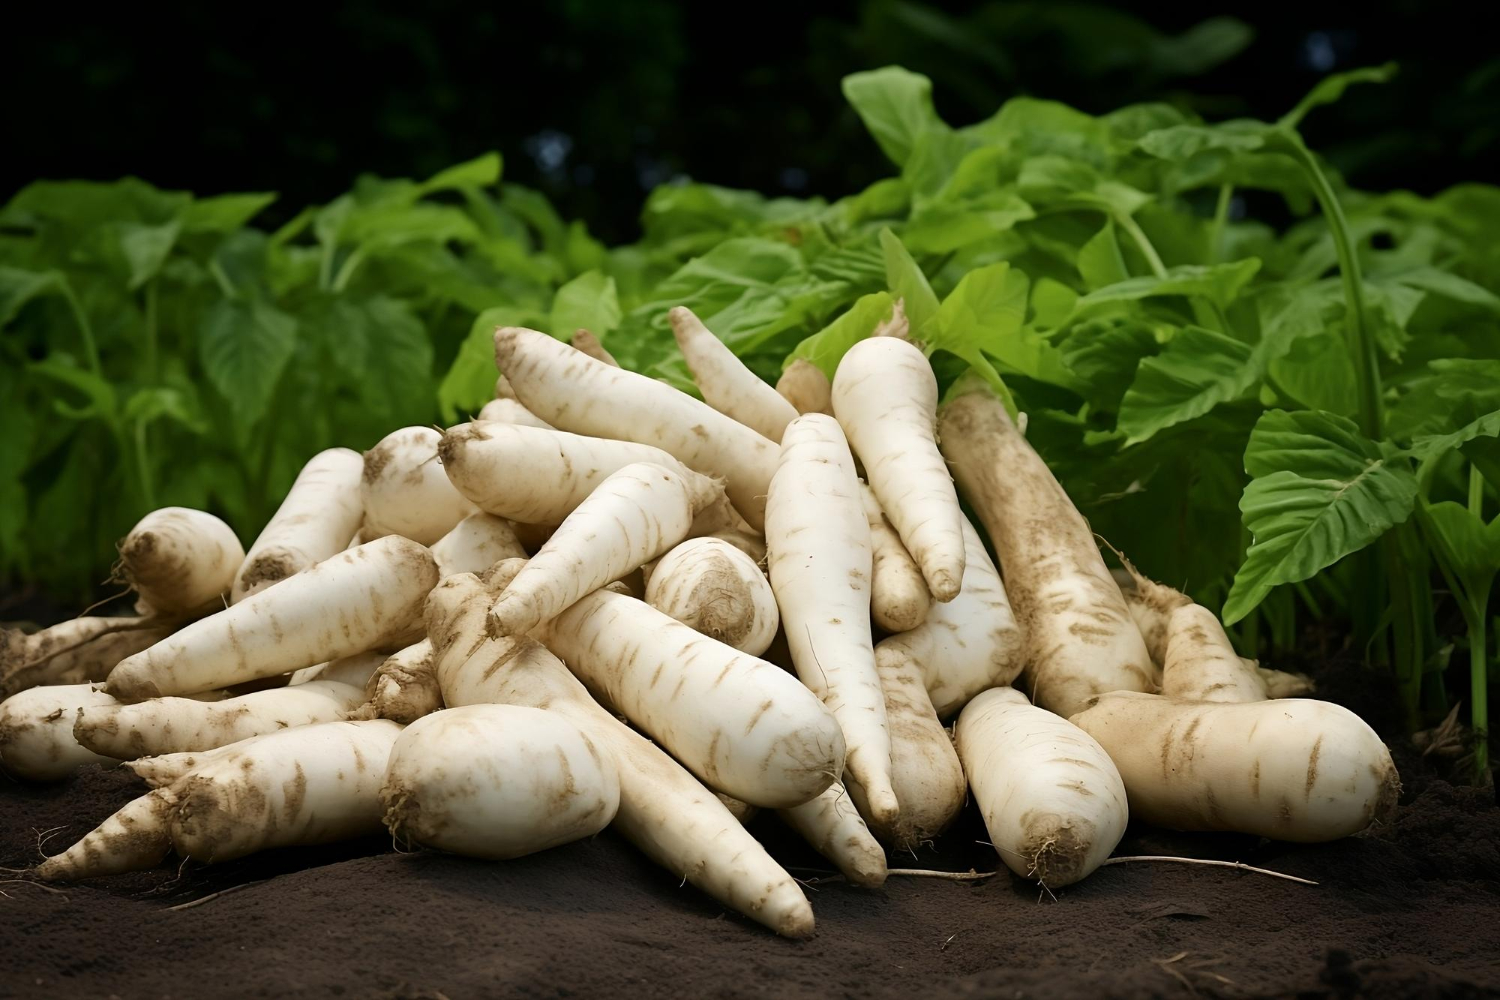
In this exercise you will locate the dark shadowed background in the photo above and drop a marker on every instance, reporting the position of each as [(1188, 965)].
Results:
[(597, 102)]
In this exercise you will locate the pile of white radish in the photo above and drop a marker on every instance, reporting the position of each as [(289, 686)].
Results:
[(575, 612)]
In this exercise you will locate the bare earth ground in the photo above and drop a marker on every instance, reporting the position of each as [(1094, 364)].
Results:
[(1412, 910)]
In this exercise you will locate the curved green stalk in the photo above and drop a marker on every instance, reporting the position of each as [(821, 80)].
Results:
[(1153, 259)]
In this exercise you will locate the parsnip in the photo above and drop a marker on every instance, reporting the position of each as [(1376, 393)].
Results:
[(405, 491), (361, 599), (180, 561), (475, 544), (898, 595), (1291, 769), (804, 385), (132, 839), (968, 645), (715, 588), (1053, 803), (885, 397), (832, 825), (576, 393), (727, 385), (818, 544), (497, 781), (741, 724), (1081, 639), (317, 519)]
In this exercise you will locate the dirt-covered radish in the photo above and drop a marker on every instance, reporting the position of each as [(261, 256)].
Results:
[(898, 595), (164, 769), (508, 411), (818, 550), (635, 516), (497, 781), (475, 544), (1081, 639), (744, 726), (589, 344), (177, 725), (134, 838), (727, 385), (1201, 664), (715, 588), (317, 519), (405, 491), (74, 651), (664, 810), (36, 732), (1290, 769), (804, 385), (576, 393), (968, 645), (180, 561), (1052, 801), (367, 597), (885, 397), (310, 785), (403, 688), (834, 828)]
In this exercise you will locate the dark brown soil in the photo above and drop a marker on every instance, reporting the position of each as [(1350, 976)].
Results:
[(1412, 910)]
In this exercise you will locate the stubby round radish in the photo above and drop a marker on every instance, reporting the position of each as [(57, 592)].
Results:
[(36, 731), (497, 781), (180, 560), (715, 588)]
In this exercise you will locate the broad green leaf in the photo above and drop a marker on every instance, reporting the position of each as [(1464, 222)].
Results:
[(145, 249), (587, 302), (1100, 262), (1105, 355), (1331, 88), (1034, 128), (1198, 370), (396, 376), (1447, 285), (1220, 284), (470, 381), (985, 314), (147, 405), (224, 213), (102, 399), (827, 347), (244, 346), (1469, 547), (1454, 392), (1321, 491), (1318, 373), (482, 171), (907, 282), (1429, 446), (896, 106), (87, 204), (1180, 143), (18, 287), (946, 226)]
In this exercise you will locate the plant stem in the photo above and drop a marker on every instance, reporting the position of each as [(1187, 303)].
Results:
[(153, 366), (85, 328), (1479, 708), (1476, 493), (1153, 259), (143, 465), (1221, 219)]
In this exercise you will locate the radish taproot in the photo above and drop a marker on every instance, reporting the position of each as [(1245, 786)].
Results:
[(834, 828), (508, 411), (74, 651), (804, 385), (180, 561), (405, 491), (1201, 665), (1081, 639), (497, 782), (317, 519), (403, 688), (1051, 798), (587, 343), (576, 393), (885, 397), (818, 550), (727, 385), (36, 732), (133, 838), (360, 599), (898, 595), (475, 544), (1291, 769), (715, 588)]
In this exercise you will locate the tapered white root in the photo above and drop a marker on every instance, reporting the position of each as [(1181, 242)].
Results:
[(833, 827), (804, 385), (727, 385), (132, 839), (318, 518), (898, 595), (405, 491)]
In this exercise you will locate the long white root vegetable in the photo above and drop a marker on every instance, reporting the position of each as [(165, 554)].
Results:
[(404, 688), (475, 544), (1292, 769), (925, 772), (966, 646), (497, 782), (589, 344), (508, 411), (1053, 803), (360, 599), (742, 725), (309, 785), (36, 732), (177, 725), (576, 393), (1081, 639), (715, 588), (405, 491), (317, 519), (635, 515), (74, 651), (804, 385), (727, 385), (133, 838), (664, 810), (180, 561), (818, 548), (833, 827), (898, 595), (166, 769), (885, 397), (1201, 664)]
